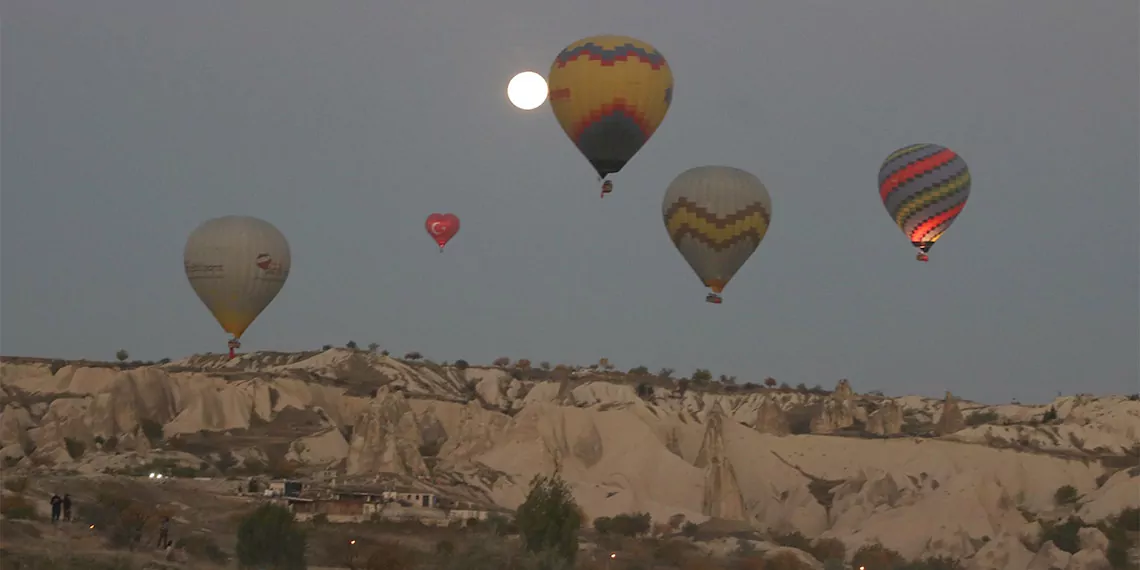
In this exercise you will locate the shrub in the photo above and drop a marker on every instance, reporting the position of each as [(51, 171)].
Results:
[(385, 352), (825, 549), (413, 356), (122, 355), (770, 382), (326, 347), (878, 557), (644, 391), (501, 361), (373, 346), (119, 518), (1065, 495), (544, 365), (792, 540), (270, 537), (639, 371), (461, 364), (665, 373), (701, 376), (16, 484), (630, 525), (17, 507), (1063, 535), (152, 430), (690, 529), (202, 547), (522, 363), (74, 448), (984, 417), (1050, 415)]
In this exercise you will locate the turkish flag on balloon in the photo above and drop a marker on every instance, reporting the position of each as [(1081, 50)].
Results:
[(442, 227)]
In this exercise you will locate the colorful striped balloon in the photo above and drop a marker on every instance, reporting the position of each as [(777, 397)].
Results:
[(609, 94), (924, 187)]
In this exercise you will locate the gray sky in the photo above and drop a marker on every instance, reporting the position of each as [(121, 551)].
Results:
[(344, 123)]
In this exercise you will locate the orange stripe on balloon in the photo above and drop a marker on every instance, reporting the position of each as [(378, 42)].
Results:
[(913, 170), (920, 232)]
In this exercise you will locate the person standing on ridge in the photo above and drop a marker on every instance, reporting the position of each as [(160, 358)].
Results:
[(56, 503), (66, 507)]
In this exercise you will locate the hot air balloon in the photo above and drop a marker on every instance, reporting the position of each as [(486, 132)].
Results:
[(441, 228), (236, 265), (716, 216), (610, 93), (924, 187)]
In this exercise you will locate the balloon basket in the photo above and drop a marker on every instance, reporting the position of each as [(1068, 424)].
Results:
[(922, 257), (714, 299)]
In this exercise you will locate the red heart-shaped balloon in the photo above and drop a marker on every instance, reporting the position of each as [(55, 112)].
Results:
[(442, 227)]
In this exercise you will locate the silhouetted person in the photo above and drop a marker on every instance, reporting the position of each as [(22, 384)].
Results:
[(66, 507), (56, 503), (163, 532)]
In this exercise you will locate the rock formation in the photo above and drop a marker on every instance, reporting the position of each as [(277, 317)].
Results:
[(837, 410), (771, 418), (887, 420), (722, 498), (951, 420)]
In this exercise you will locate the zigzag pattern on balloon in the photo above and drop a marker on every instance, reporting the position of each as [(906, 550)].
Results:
[(607, 57), (933, 227), (619, 107), (913, 170), (929, 197), (684, 218)]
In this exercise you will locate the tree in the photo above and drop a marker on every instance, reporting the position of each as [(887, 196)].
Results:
[(877, 556), (373, 347), (549, 519), (1065, 495), (701, 376), (639, 371), (726, 379), (413, 356), (770, 382), (326, 347), (461, 364), (269, 538), (501, 361), (122, 355), (351, 345), (544, 365), (665, 373)]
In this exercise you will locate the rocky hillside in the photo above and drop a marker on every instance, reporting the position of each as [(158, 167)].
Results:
[(920, 476)]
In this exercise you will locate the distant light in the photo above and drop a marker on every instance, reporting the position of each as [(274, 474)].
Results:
[(614, 555), (151, 476), (353, 541), (527, 90)]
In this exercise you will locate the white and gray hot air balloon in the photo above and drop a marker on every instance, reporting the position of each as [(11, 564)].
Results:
[(236, 265)]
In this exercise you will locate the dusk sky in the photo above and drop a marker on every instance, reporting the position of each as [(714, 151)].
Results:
[(125, 124)]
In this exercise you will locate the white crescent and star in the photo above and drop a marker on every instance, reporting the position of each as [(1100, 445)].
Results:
[(435, 229)]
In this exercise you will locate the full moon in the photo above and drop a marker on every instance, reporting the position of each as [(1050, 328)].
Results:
[(527, 90)]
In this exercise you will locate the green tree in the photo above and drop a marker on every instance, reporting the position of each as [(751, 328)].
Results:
[(1065, 495), (269, 539), (122, 355), (351, 345), (549, 519), (701, 376)]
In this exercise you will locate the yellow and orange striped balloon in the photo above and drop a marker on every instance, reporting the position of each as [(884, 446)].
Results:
[(610, 94)]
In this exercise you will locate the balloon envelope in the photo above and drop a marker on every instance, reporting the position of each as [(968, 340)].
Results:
[(609, 94), (924, 187), (442, 227), (716, 216), (236, 265)]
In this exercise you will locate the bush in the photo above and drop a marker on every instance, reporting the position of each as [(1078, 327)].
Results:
[(639, 371), (1063, 535), (461, 364), (644, 391), (501, 361), (16, 484), (122, 355), (878, 557), (1050, 415), (549, 519), (701, 376), (119, 518), (17, 507), (269, 537), (74, 448), (351, 345), (630, 525), (152, 430), (1065, 495), (690, 529), (202, 547), (825, 549), (933, 563), (326, 348), (979, 418), (413, 356)]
